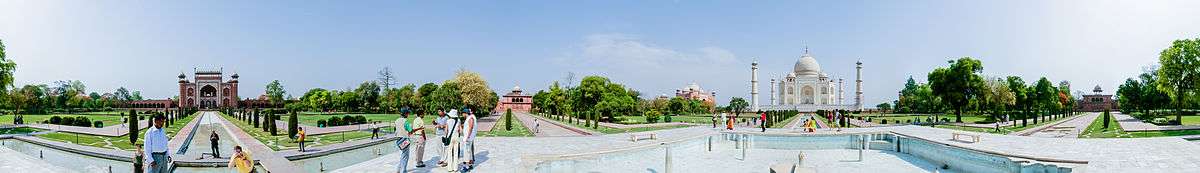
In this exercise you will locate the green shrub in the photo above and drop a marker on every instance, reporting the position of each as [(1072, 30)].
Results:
[(98, 124), (321, 123), (651, 116), (55, 120), (334, 121)]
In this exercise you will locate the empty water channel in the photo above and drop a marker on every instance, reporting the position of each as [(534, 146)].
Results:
[(736, 152), (194, 156)]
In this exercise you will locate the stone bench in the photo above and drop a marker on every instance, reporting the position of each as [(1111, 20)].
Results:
[(974, 138), (637, 136)]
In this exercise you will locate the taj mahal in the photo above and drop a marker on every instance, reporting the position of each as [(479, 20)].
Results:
[(806, 88)]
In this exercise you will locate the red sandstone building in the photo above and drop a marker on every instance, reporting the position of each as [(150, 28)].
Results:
[(694, 92), (1096, 102), (515, 100), (209, 90)]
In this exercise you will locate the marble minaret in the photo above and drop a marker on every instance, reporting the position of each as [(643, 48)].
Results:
[(754, 86), (841, 92), (773, 91), (858, 94)]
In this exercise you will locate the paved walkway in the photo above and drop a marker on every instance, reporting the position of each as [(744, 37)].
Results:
[(265, 156), (861, 123), (488, 122), (508, 154), (1069, 128), (1131, 124), (314, 130), (549, 127), (112, 130), (1044, 126)]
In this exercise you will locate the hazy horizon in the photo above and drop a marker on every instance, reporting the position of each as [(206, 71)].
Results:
[(652, 46)]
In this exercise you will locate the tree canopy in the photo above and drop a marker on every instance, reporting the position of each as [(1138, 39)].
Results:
[(958, 84)]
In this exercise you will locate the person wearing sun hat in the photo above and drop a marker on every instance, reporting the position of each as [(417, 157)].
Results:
[(450, 141)]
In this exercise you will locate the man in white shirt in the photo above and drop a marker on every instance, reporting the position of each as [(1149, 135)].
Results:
[(469, 140), (156, 145), (440, 124)]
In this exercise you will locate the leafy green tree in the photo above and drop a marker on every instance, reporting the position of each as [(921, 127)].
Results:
[(317, 99), (275, 92), (7, 68), (425, 98), (446, 97), (474, 91), (1179, 72), (1129, 96), (1045, 96), (885, 106), (1021, 95), (1065, 100), (997, 97), (959, 84), (738, 105), (368, 95)]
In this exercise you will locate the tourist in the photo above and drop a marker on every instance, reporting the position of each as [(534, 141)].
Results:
[(537, 126), (156, 145), (402, 125), (374, 130), (300, 136), (241, 161), (443, 139), (725, 120), (212, 139), (762, 120), (714, 120), (418, 126), (138, 158), (469, 130), (453, 131)]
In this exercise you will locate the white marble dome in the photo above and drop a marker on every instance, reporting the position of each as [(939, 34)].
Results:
[(807, 66)]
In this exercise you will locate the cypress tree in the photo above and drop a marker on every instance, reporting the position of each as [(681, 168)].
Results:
[(508, 120), (133, 127), (292, 123)]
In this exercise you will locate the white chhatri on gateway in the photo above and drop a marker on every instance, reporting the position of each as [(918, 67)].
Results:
[(806, 88)]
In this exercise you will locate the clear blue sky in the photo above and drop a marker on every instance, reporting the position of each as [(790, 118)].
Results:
[(652, 46)]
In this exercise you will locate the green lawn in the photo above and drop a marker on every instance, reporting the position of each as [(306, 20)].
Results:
[(903, 118), (281, 141), (311, 119), (20, 130), (108, 120), (118, 143), (609, 130), (662, 119), (518, 129), (785, 122), (1096, 129), (1003, 130)]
